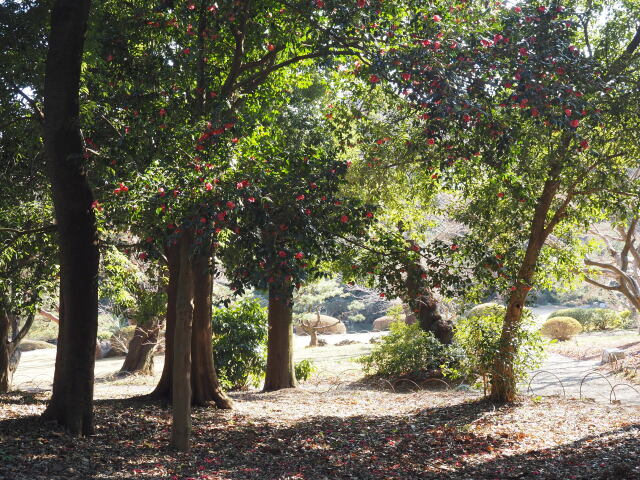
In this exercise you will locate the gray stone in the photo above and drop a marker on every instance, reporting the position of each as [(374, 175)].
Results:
[(610, 355)]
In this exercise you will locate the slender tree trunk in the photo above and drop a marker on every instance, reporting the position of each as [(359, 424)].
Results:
[(314, 337), (163, 389), (71, 403), (6, 352), (204, 379), (503, 379), (280, 369), (181, 382), (139, 357)]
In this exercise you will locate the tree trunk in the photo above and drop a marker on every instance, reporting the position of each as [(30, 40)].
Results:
[(181, 382), (139, 357), (71, 403), (425, 307), (430, 319), (6, 352), (204, 379), (503, 379), (314, 337), (163, 389), (280, 369)]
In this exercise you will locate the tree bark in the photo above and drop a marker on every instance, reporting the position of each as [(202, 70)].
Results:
[(6, 352), (204, 379), (163, 389), (181, 382), (71, 403), (139, 357), (425, 307), (280, 369), (503, 379)]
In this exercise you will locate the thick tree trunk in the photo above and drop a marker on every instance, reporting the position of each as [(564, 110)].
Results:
[(280, 369), (204, 379), (71, 403), (163, 389), (181, 382), (139, 357), (430, 320), (425, 307)]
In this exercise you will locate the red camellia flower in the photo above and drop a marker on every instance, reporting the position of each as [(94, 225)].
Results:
[(251, 199), (517, 9), (431, 141), (344, 219), (307, 211), (300, 197), (369, 215), (454, 247), (437, 18), (406, 77), (282, 254), (271, 47), (534, 112), (319, 4), (567, 112), (382, 295), (231, 205), (203, 220), (361, 3), (186, 51), (584, 144), (162, 112), (143, 256), (299, 255), (208, 186), (374, 79), (574, 123), (466, 118)]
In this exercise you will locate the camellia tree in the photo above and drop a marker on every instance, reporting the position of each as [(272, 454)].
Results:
[(179, 93), (525, 129), (292, 218)]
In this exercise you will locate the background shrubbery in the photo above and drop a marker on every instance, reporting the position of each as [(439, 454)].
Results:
[(240, 343), (406, 350), (594, 318), (561, 328)]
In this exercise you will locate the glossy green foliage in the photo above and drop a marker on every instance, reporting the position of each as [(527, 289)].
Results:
[(478, 335), (407, 350), (240, 343), (592, 318)]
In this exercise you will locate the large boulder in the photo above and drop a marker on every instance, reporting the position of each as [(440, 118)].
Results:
[(382, 323), (329, 325)]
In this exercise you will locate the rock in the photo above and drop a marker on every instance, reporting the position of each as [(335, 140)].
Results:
[(610, 355), (346, 342), (383, 323), (103, 347), (334, 326), (29, 345)]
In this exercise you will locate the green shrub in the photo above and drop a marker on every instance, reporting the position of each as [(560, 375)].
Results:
[(478, 336), (240, 343), (592, 318), (561, 328), (304, 369), (406, 350)]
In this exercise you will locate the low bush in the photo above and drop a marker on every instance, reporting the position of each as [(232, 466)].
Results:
[(478, 336), (406, 350), (240, 344), (304, 369), (592, 318), (561, 328)]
